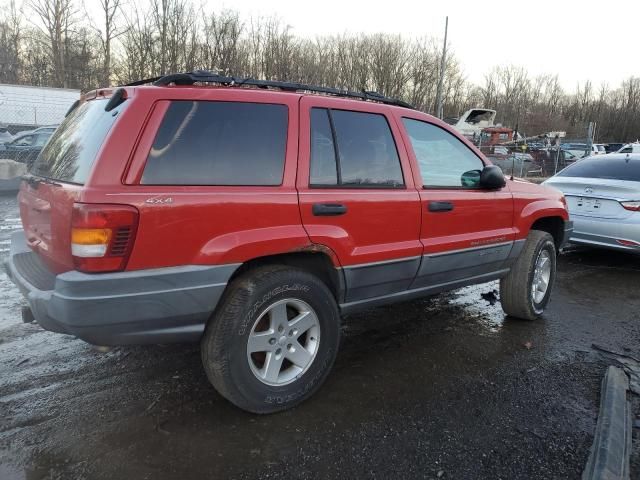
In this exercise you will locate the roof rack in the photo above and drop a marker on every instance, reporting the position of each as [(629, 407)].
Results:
[(203, 76)]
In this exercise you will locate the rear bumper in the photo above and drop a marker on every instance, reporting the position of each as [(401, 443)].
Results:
[(147, 306), (604, 232), (568, 232)]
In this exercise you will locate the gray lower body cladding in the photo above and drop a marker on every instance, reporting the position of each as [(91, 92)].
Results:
[(173, 304), (443, 268), (149, 306), (380, 278), (400, 280)]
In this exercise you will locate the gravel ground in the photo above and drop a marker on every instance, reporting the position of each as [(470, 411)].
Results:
[(437, 388)]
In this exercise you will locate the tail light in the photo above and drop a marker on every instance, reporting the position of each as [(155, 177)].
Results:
[(102, 236), (628, 243), (634, 206)]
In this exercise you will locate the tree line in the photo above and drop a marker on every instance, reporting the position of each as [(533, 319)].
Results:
[(61, 43)]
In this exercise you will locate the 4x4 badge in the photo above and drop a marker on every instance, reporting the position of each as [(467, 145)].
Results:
[(159, 200)]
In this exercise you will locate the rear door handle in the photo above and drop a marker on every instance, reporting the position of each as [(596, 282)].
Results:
[(328, 209), (440, 206)]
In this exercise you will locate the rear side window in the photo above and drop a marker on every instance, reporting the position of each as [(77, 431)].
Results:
[(359, 151), (324, 170), (72, 149), (621, 168), (219, 143)]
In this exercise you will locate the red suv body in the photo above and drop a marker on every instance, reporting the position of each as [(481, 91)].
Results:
[(151, 206)]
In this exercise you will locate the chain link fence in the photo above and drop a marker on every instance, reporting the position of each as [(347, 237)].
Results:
[(537, 155), (25, 107), (28, 117)]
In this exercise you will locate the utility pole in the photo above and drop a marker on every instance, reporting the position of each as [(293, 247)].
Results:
[(439, 109), (590, 132)]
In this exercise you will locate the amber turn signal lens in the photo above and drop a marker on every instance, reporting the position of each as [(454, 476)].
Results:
[(90, 236)]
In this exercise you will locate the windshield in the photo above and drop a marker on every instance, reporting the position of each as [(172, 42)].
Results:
[(621, 168), (73, 147)]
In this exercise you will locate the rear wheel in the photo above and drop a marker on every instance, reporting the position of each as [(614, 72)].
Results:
[(273, 340), (525, 291)]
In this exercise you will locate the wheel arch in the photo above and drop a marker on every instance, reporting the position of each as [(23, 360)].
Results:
[(315, 260), (553, 225)]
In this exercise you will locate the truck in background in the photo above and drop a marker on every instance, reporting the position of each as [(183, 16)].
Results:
[(28, 117), (25, 107)]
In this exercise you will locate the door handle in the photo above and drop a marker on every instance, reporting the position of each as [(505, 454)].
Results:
[(440, 206), (328, 209)]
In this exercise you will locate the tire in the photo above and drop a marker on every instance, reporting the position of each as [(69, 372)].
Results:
[(255, 305), (516, 289)]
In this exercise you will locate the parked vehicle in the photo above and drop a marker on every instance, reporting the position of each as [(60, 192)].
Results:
[(566, 157), (250, 219), (598, 149), (603, 194), (46, 129), (613, 147), (5, 135), (630, 148), (578, 150), (472, 122), (24, 148)]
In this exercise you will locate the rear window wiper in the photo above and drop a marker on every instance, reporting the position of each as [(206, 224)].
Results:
[(34, 181)]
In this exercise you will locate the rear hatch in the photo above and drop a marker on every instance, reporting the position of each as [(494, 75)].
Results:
[(56, 179)]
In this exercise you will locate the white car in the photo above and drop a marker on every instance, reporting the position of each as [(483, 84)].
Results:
[(598, 149), (603, 196), (5, 135), (630, 148)]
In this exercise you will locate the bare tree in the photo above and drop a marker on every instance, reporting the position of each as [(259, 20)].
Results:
[(108, 31), (162, 36), (57, 18), (222, 36), (10, 44), (138, 42)]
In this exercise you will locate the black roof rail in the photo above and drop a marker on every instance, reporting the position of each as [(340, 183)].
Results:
[(140, 82), (204, 76)]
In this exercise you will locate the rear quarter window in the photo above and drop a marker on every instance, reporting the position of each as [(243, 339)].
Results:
[(219, 143), (73, 147)]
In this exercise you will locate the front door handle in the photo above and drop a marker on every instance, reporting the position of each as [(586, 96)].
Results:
[(440, 206), (328, 209)]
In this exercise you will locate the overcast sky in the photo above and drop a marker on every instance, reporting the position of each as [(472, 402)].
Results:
[(579, 40)]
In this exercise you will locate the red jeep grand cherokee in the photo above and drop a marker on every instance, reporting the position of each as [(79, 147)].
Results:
[(250, 219)]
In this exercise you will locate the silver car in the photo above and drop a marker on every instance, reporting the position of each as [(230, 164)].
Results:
[(603, 196)]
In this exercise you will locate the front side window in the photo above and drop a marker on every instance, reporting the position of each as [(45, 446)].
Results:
[(353, 149), (444, 161), (219, 143)]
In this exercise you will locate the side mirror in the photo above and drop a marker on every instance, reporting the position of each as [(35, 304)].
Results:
[(492, 178)]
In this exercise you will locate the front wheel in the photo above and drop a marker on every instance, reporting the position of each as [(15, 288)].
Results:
[(525, 291), (273, 340)]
